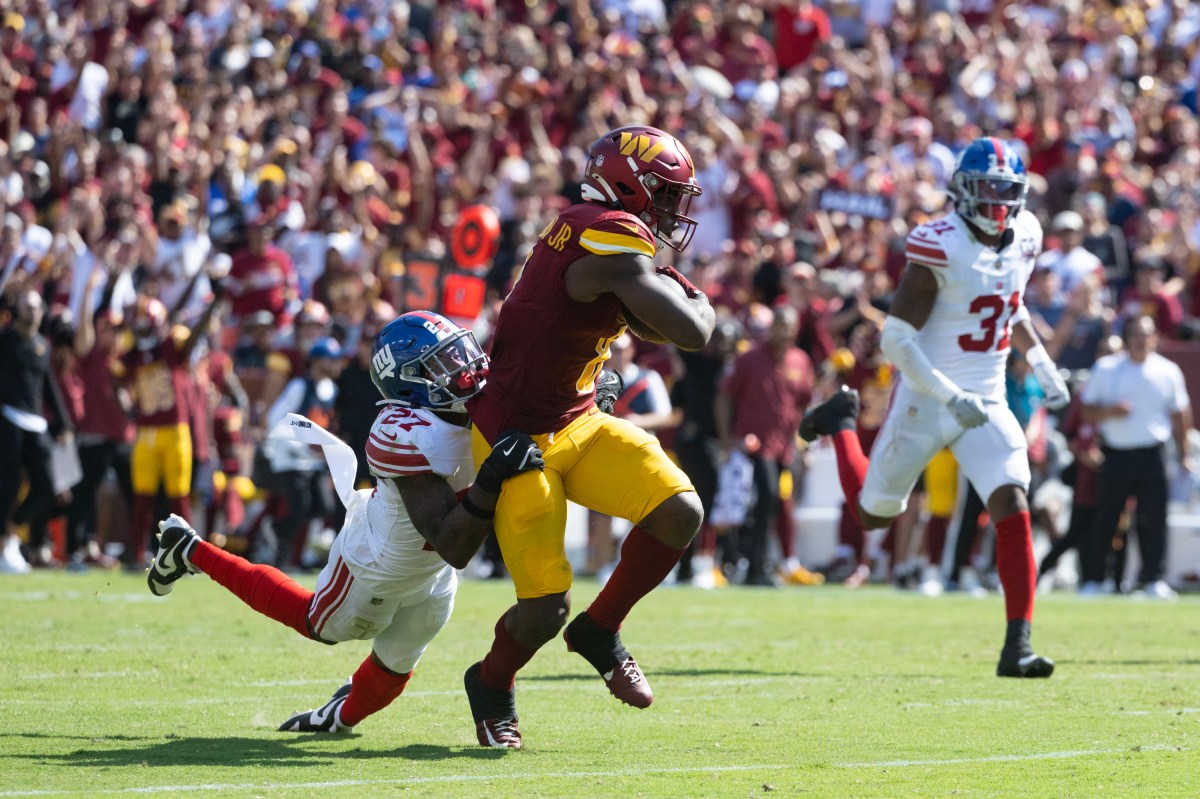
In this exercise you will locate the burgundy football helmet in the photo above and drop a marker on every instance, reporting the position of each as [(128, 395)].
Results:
[(648, 173)]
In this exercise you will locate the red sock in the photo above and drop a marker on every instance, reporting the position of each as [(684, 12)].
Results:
[(1014, 561), (645, 562), (935, 538), (264, 588), (706, 539), (852, 466), (504, 659), (372, 688), (785, 529)]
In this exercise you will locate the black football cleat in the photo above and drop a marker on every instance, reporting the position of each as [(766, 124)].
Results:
[(602, 648), (1030, 665), (495, 712), (175, 541), (839, 412), (326, 718), (1017, 658)]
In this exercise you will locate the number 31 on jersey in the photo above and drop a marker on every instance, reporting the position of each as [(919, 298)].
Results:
[(991, 306)]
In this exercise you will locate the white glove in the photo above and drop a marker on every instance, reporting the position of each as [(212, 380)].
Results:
[(968, 409), (1057, 394), (174, 520)]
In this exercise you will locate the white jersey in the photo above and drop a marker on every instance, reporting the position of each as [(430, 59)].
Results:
[(405, 442), (979, 291)]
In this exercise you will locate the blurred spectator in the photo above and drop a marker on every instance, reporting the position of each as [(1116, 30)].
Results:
[(300, 474), (261, 277), (26, 434), (1138, 400), (104, 432), (1070, 261), (758, 412), (1148, 297), (1106, 241), (698, 445)]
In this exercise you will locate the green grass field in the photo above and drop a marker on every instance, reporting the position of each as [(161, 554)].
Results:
[(801, 692)]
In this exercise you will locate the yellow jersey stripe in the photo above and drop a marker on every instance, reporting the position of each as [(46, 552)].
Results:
[(605, 243)]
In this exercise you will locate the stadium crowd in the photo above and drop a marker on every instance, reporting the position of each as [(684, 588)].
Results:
[(264, 184)]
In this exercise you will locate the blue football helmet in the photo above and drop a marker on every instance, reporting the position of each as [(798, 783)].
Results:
[(989, 185), (423, 360)]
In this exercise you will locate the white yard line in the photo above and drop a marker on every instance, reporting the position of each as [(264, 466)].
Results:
[(574, 775)]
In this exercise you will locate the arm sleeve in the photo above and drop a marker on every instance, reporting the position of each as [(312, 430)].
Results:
[(899, 344)]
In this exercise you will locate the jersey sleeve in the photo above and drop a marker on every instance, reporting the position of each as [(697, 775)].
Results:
[(392, 451), (612, 234)]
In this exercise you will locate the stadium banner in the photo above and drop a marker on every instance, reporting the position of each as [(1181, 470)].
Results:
[(872, 206)]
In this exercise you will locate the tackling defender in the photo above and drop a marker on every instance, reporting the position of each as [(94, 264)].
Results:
[(391, 571), (957, 310), (590, 275)]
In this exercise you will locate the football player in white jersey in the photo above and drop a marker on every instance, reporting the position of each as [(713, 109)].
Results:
[(956, 313), (391, 572)]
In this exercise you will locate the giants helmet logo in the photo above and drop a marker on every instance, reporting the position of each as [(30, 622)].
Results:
[(384, 363)]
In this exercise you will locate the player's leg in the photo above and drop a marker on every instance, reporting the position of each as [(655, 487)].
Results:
[(837, 418), (146, 474), (530, 519), (911, 435), (383, 674), (995, 460), (624, 472), (175, 455), (264, 588)]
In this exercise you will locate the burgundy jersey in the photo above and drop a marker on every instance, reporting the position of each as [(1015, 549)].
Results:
[(548, 348), (161, 382)]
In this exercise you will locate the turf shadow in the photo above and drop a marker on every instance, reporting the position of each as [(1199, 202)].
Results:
[(292, 751), (676, 673)]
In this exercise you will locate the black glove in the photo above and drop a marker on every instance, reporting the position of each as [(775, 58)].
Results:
[(609, 387), (689, 288), (513, 453)]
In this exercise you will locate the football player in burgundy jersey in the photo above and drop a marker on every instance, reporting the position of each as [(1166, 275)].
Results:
[(949, 329), (391, 573), (158, 368), (590, 276)]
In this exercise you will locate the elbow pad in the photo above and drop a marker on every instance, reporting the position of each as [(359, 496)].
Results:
[(899, 344)]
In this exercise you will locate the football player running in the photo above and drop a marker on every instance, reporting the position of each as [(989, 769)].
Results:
[(391, 572), (590, 276), (956, 312)]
